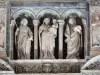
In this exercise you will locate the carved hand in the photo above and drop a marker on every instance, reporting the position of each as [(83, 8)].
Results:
[(66, 40), (31, 39)]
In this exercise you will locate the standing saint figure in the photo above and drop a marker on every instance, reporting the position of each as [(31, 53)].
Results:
[(23, 39), (95, 31), (47, 35), (73, 38), (1, 35)]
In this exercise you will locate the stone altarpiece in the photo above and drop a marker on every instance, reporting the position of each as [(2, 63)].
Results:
[(36, 12), (34, 15)]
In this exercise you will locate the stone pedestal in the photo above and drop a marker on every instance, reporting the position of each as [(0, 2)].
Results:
[(47, 66), (61, 25), (36, 23)]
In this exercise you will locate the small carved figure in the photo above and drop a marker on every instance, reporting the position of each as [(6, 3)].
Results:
[(23, 41), (73, 37), (95, 31)]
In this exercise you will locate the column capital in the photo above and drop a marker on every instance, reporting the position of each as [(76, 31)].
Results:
[(61, 22), (36, 22)]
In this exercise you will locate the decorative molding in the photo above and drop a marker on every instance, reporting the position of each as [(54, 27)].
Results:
[(50, 0)]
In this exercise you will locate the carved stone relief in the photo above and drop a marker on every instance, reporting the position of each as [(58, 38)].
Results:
[(73, 33), (95, 23), (47, 66), (2, 28), (23, 38), (47, 35), (53, 31)]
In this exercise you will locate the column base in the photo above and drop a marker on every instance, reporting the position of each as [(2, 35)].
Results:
[(35, 54), (60, 54)]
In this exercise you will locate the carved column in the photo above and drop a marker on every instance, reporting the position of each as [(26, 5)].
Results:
[(36, 23), (88, 33), (61, 25), (11, 38)]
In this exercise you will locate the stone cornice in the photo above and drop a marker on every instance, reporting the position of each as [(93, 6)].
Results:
[(49, 0)]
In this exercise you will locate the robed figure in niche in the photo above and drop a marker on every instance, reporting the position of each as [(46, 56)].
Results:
[(47, 35), (73, 34), (1, 35), (96, 31), (23, 40)]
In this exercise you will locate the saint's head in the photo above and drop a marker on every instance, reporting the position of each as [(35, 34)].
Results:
[(97, 18), (24, 22), (72, 21), (54, 21), (46, 21)]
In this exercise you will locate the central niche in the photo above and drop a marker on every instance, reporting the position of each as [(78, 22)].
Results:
[(58, 33), (48, 40)]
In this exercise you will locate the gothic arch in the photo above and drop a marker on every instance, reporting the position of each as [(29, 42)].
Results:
[(49, 11), (80, 13), (20, 11)]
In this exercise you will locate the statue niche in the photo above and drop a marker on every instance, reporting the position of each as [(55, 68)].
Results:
[(73, 37), (95, 29), (23, 38), (48, 38)]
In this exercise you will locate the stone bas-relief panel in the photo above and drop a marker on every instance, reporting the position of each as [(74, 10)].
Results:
[(49, 66), (2, 28), (49, 33), (95, 23), (95, 30)]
